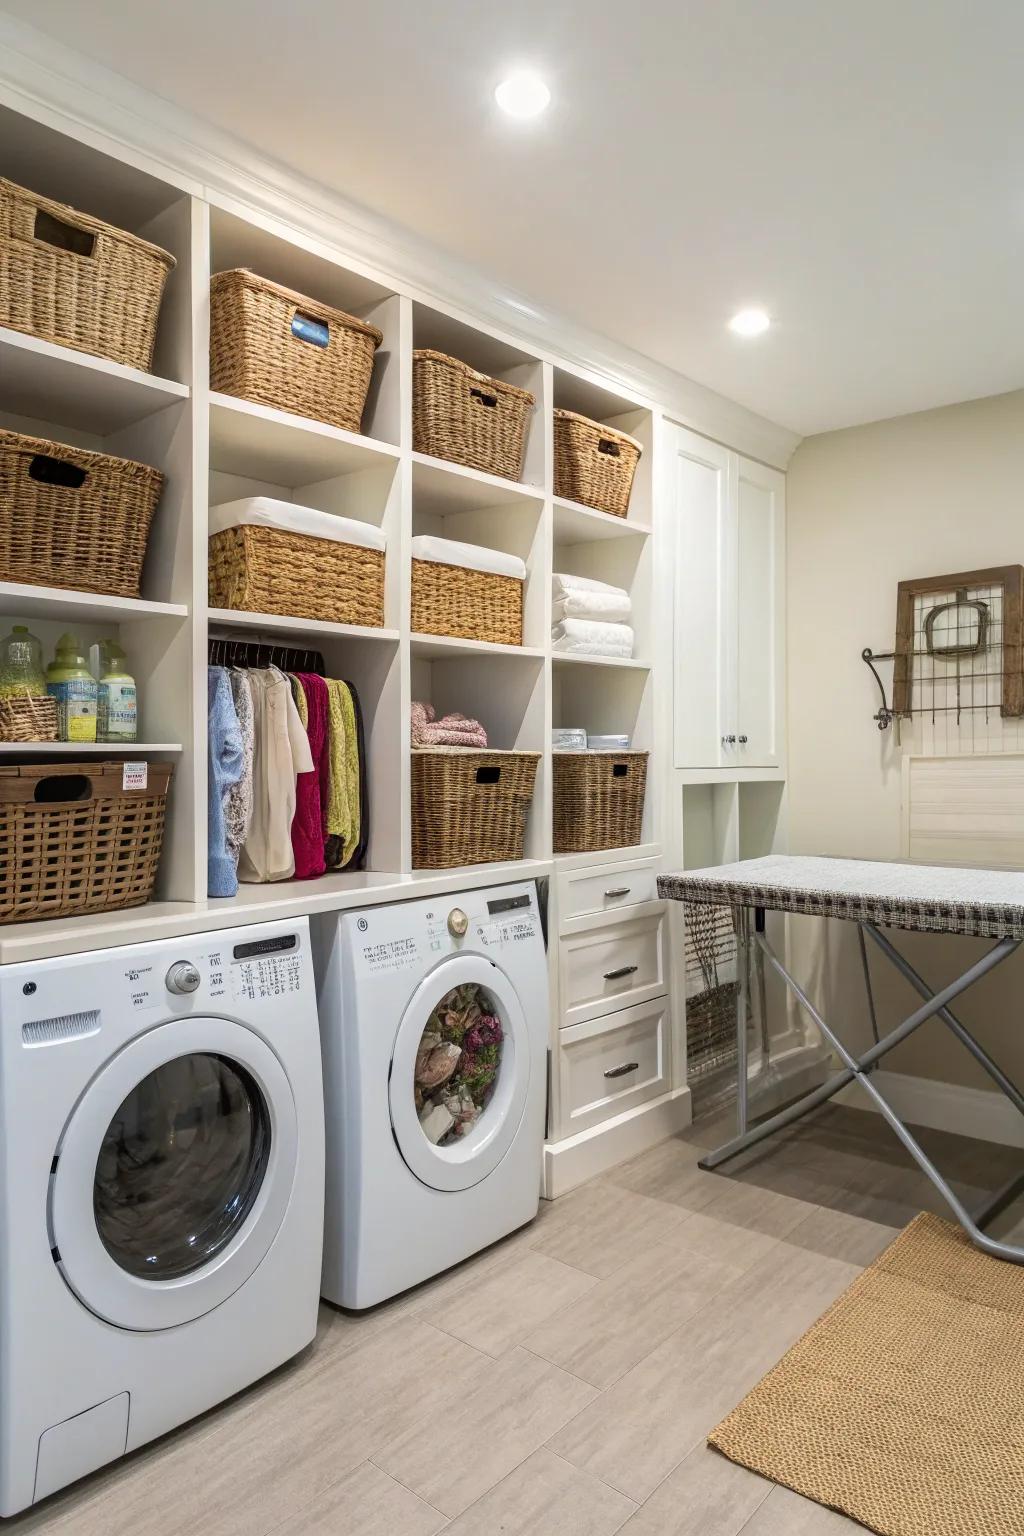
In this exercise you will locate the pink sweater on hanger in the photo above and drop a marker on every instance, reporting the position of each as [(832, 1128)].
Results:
[(307, 826)]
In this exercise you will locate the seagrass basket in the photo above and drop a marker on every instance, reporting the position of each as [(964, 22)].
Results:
[(74, 840), (598, 800), (468, 806), (28, 717), (468, 604), (466, 417), (269, 570), (282, 349), (76, 281), (70, 517), (594, 464)]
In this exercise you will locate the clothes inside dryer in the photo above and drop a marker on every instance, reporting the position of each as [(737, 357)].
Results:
[(457, 1063)]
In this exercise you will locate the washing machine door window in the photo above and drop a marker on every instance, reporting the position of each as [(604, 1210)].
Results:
[(181, 1166), (460, 1074), (174, 1173)]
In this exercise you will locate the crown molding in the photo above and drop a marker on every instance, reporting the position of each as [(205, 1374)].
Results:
[(52, 83)]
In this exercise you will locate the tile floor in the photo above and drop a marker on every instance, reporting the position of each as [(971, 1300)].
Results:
[(562, 1383)]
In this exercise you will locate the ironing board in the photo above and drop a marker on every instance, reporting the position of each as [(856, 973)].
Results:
[(980, 903)]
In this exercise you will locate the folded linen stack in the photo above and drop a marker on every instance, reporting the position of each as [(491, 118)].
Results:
[(450, 731), (588, 617)]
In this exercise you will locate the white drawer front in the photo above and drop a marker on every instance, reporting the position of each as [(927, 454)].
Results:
[(610, 1064), (607, 889), (612, 965)]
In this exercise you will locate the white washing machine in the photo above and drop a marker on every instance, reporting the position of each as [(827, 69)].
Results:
[(434, 1025), (161, 1201)]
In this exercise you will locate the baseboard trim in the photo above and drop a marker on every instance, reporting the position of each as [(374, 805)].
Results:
[(578, 1158), (943, 1107)]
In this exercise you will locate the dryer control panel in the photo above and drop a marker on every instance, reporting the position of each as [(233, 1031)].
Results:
[(413, 936)]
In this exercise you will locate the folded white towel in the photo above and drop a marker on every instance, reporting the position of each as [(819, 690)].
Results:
[(590, 638), (614, 606), (563, 584)]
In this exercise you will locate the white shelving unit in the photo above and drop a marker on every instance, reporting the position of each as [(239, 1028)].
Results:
[(215, 448)]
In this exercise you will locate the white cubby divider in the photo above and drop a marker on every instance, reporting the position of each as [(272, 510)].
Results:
[(215, 448)]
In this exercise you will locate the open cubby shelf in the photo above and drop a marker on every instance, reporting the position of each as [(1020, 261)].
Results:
[(214, 448)]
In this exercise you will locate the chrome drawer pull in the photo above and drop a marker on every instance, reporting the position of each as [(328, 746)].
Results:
[(622, 970), (618, 890), (624, 1070)]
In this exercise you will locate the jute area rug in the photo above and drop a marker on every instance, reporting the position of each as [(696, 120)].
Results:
[(903, 1406)]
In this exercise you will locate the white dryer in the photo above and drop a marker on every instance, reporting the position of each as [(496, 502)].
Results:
[(161, 1201), (434, 1026)]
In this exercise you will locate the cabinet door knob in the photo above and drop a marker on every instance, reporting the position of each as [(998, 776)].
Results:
[(619, 972), (743, 741), (626, 1067)]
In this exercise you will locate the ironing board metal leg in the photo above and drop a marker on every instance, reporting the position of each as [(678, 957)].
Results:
[(742, 985)]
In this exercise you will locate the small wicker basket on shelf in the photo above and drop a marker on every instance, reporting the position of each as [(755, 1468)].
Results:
[(74, 840), (467, 604), (70, 517), (598, 800), (466, 417), (76, 281), (594, 464), (282, 349), (28, 717), (468, 806), (268, 570)]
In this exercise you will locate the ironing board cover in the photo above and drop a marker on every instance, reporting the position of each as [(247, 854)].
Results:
[(929, 898)]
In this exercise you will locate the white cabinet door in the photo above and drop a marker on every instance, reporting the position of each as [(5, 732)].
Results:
[(760, 622), (703, 620)]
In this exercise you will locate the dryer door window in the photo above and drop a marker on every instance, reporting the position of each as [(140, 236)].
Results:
[(458, 1063), (174, 1173), (460, 1073), (181, 1165)]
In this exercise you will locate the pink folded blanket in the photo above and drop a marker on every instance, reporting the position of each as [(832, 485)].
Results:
[(450, 731)]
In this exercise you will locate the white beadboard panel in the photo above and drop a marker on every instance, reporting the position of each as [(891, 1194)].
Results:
[(965, 810)]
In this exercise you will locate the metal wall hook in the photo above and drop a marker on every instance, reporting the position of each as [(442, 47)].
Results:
[(884, 717)]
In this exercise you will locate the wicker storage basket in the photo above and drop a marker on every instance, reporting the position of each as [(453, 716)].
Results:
[(25, 717), (285, 350), (266, 570), (599, 800), (471, 605), (594, 464), (72, 279), (466, 417), (72, 840), (469, 807), (73, 518)]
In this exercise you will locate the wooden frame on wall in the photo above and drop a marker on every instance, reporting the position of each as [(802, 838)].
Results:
[(1011, 579)]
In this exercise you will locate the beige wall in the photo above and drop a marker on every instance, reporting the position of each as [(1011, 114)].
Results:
[(917, 496)]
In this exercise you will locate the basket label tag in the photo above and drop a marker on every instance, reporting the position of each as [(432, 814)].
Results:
[(308, 329), (134, 775)]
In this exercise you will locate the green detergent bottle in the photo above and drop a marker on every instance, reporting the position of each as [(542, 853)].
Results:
[(71, 683), (21, 665), (118, 703)]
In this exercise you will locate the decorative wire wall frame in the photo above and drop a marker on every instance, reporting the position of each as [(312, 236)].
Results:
[(956, 677)]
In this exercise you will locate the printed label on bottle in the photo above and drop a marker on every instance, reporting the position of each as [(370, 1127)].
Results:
[(118, 712), (76, 709)]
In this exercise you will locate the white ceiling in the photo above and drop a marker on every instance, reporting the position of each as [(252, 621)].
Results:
[(854, 166)]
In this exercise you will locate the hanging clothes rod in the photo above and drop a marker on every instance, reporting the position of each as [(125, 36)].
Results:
[(232, 652)]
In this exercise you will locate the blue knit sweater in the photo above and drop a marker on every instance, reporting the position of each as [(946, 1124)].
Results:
[(226, 763)]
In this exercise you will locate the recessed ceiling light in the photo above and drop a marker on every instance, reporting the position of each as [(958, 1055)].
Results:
[(523, 94), (750, 322)]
